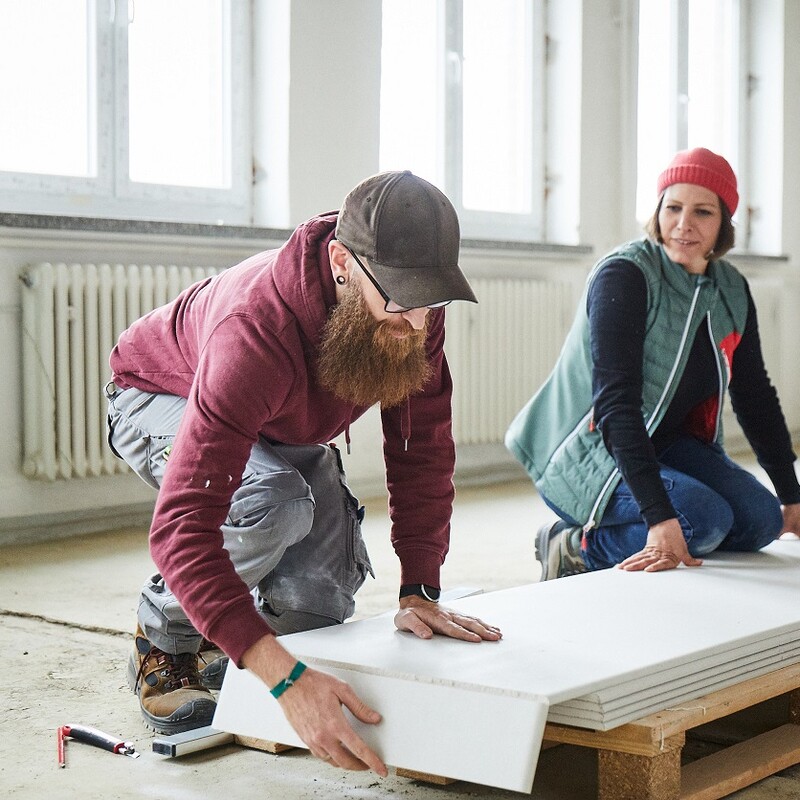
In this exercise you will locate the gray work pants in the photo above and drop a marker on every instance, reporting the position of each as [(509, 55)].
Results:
[(293, 531)]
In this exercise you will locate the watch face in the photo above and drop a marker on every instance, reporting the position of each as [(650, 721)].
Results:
[(421, 590), (429, 593)]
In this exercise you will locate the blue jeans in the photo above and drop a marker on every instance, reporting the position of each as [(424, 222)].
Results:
[(719, 505)]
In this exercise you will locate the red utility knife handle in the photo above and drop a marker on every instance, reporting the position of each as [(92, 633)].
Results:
[(83, 733)]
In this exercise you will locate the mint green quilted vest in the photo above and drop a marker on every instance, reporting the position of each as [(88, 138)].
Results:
[(554, 437)]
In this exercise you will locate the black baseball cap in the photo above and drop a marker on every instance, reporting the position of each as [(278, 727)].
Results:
[(409, 231)]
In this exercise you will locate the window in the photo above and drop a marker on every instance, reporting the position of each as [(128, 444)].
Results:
[(126, 108), (41, 99), (462, 88), (688, 85)]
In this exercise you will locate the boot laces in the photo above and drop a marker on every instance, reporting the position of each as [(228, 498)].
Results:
[(181, 669)]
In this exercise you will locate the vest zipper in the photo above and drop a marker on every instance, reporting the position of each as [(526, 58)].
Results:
[(720, 378), (649, 424)]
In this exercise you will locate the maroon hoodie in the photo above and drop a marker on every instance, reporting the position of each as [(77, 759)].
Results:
[(242, 347)]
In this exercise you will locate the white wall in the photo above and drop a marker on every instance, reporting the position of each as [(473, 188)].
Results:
[(324, 115)]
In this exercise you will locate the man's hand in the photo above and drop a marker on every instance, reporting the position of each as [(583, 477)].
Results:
[(665, 549), (423, 619), (313, 707)]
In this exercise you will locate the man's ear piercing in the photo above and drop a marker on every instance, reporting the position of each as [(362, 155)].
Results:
[(341, 280)]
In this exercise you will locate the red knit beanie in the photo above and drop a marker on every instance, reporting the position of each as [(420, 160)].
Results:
[(702, 168)]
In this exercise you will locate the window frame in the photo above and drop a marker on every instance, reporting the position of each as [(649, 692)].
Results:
[(678, 96), (485, 224), (110, 193), (755, 121)]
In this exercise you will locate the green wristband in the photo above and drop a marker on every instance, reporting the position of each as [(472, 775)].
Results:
[(298, 669)]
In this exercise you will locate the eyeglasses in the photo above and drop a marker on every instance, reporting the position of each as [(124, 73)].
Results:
[(389, 304)]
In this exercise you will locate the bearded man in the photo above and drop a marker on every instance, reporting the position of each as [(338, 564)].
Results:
[(224, 400)]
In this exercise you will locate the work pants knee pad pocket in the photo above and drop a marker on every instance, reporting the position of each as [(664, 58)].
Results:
[(260, 512)]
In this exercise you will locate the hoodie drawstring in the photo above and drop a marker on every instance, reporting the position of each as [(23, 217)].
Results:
[(405, 423), (405, 427)]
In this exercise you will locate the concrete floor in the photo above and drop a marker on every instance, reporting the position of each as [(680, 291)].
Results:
[(68, 611)]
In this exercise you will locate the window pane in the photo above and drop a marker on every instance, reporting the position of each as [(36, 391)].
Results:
[(497, 94), (711, 72), (178, 71), (410, 114), (711, 75), (46, 92), (655, 138)]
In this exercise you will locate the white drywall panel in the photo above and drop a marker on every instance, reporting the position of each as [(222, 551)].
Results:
[(444, 729), (592, 711), (605, 718), (567, 638), (696, 668), (660, 637)]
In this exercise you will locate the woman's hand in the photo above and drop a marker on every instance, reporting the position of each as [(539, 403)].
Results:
[(665, 549), (791, 520)]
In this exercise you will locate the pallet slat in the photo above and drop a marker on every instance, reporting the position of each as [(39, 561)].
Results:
[(741, 764)]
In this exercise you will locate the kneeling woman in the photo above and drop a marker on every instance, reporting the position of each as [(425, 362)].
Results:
[(624, 440)]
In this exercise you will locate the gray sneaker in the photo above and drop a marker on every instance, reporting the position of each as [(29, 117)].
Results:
[(558, 550)]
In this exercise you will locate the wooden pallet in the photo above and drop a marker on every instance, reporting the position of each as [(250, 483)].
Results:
[(642, 760)]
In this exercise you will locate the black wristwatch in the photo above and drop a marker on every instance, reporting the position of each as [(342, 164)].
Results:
[(421, 590)]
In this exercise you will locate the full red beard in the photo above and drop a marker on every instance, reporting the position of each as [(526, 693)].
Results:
[(362, 363)]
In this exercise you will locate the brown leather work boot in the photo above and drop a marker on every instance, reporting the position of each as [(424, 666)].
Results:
[(171, 696)]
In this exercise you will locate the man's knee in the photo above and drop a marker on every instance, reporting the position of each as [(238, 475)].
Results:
[(257, 540), (264, 505), (269, 513)]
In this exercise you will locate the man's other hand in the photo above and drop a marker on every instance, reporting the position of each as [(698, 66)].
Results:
[(313, 706), (423, 619)]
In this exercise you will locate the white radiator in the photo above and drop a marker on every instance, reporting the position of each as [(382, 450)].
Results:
[(71, 318), (501, 350)]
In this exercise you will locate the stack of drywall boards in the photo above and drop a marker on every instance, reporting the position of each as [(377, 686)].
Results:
[(706, 629), (594, 651)]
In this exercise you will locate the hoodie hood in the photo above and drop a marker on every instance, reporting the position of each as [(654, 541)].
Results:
[(302, 274)]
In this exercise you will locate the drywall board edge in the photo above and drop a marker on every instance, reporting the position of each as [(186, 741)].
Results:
[(564, 639), (483, 736), (662, 701), (606, 720), (773, 657), (770, 645)]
